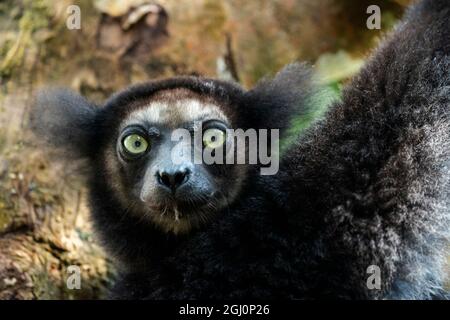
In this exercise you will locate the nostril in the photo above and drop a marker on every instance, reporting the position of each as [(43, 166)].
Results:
[(164, 178), (180, 177)]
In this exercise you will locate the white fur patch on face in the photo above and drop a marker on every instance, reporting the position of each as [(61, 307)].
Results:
[(175, 113)]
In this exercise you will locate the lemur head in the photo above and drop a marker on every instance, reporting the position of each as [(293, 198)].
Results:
[(150, 162), (138, 142)]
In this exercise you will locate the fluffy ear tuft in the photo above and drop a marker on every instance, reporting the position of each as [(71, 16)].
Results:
[(64, 119), (274, 103)]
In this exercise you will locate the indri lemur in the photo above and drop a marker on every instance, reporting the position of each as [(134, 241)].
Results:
[(366, 185)]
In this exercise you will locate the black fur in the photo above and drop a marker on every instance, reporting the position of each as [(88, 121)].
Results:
[(64, 119), (373, 178), (367, 185)]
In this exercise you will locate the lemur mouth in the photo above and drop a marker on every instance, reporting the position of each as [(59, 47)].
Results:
[(180, 215), (181, 209)]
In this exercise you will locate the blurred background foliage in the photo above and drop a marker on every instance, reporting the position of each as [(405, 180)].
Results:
[(43, 221), (264, 36)]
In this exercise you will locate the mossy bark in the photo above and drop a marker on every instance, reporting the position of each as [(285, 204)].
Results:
[(44, 230), (44, 225)]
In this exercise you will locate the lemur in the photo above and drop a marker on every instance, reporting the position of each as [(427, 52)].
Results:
[(366, 186)]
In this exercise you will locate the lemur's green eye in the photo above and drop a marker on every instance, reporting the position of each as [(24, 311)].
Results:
[(135, 144), (213, 138)]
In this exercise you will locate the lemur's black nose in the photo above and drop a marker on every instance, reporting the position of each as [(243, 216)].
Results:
[(173, 178)]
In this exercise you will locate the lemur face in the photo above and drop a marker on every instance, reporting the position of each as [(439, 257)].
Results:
[(158, 175), (133, 149)]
